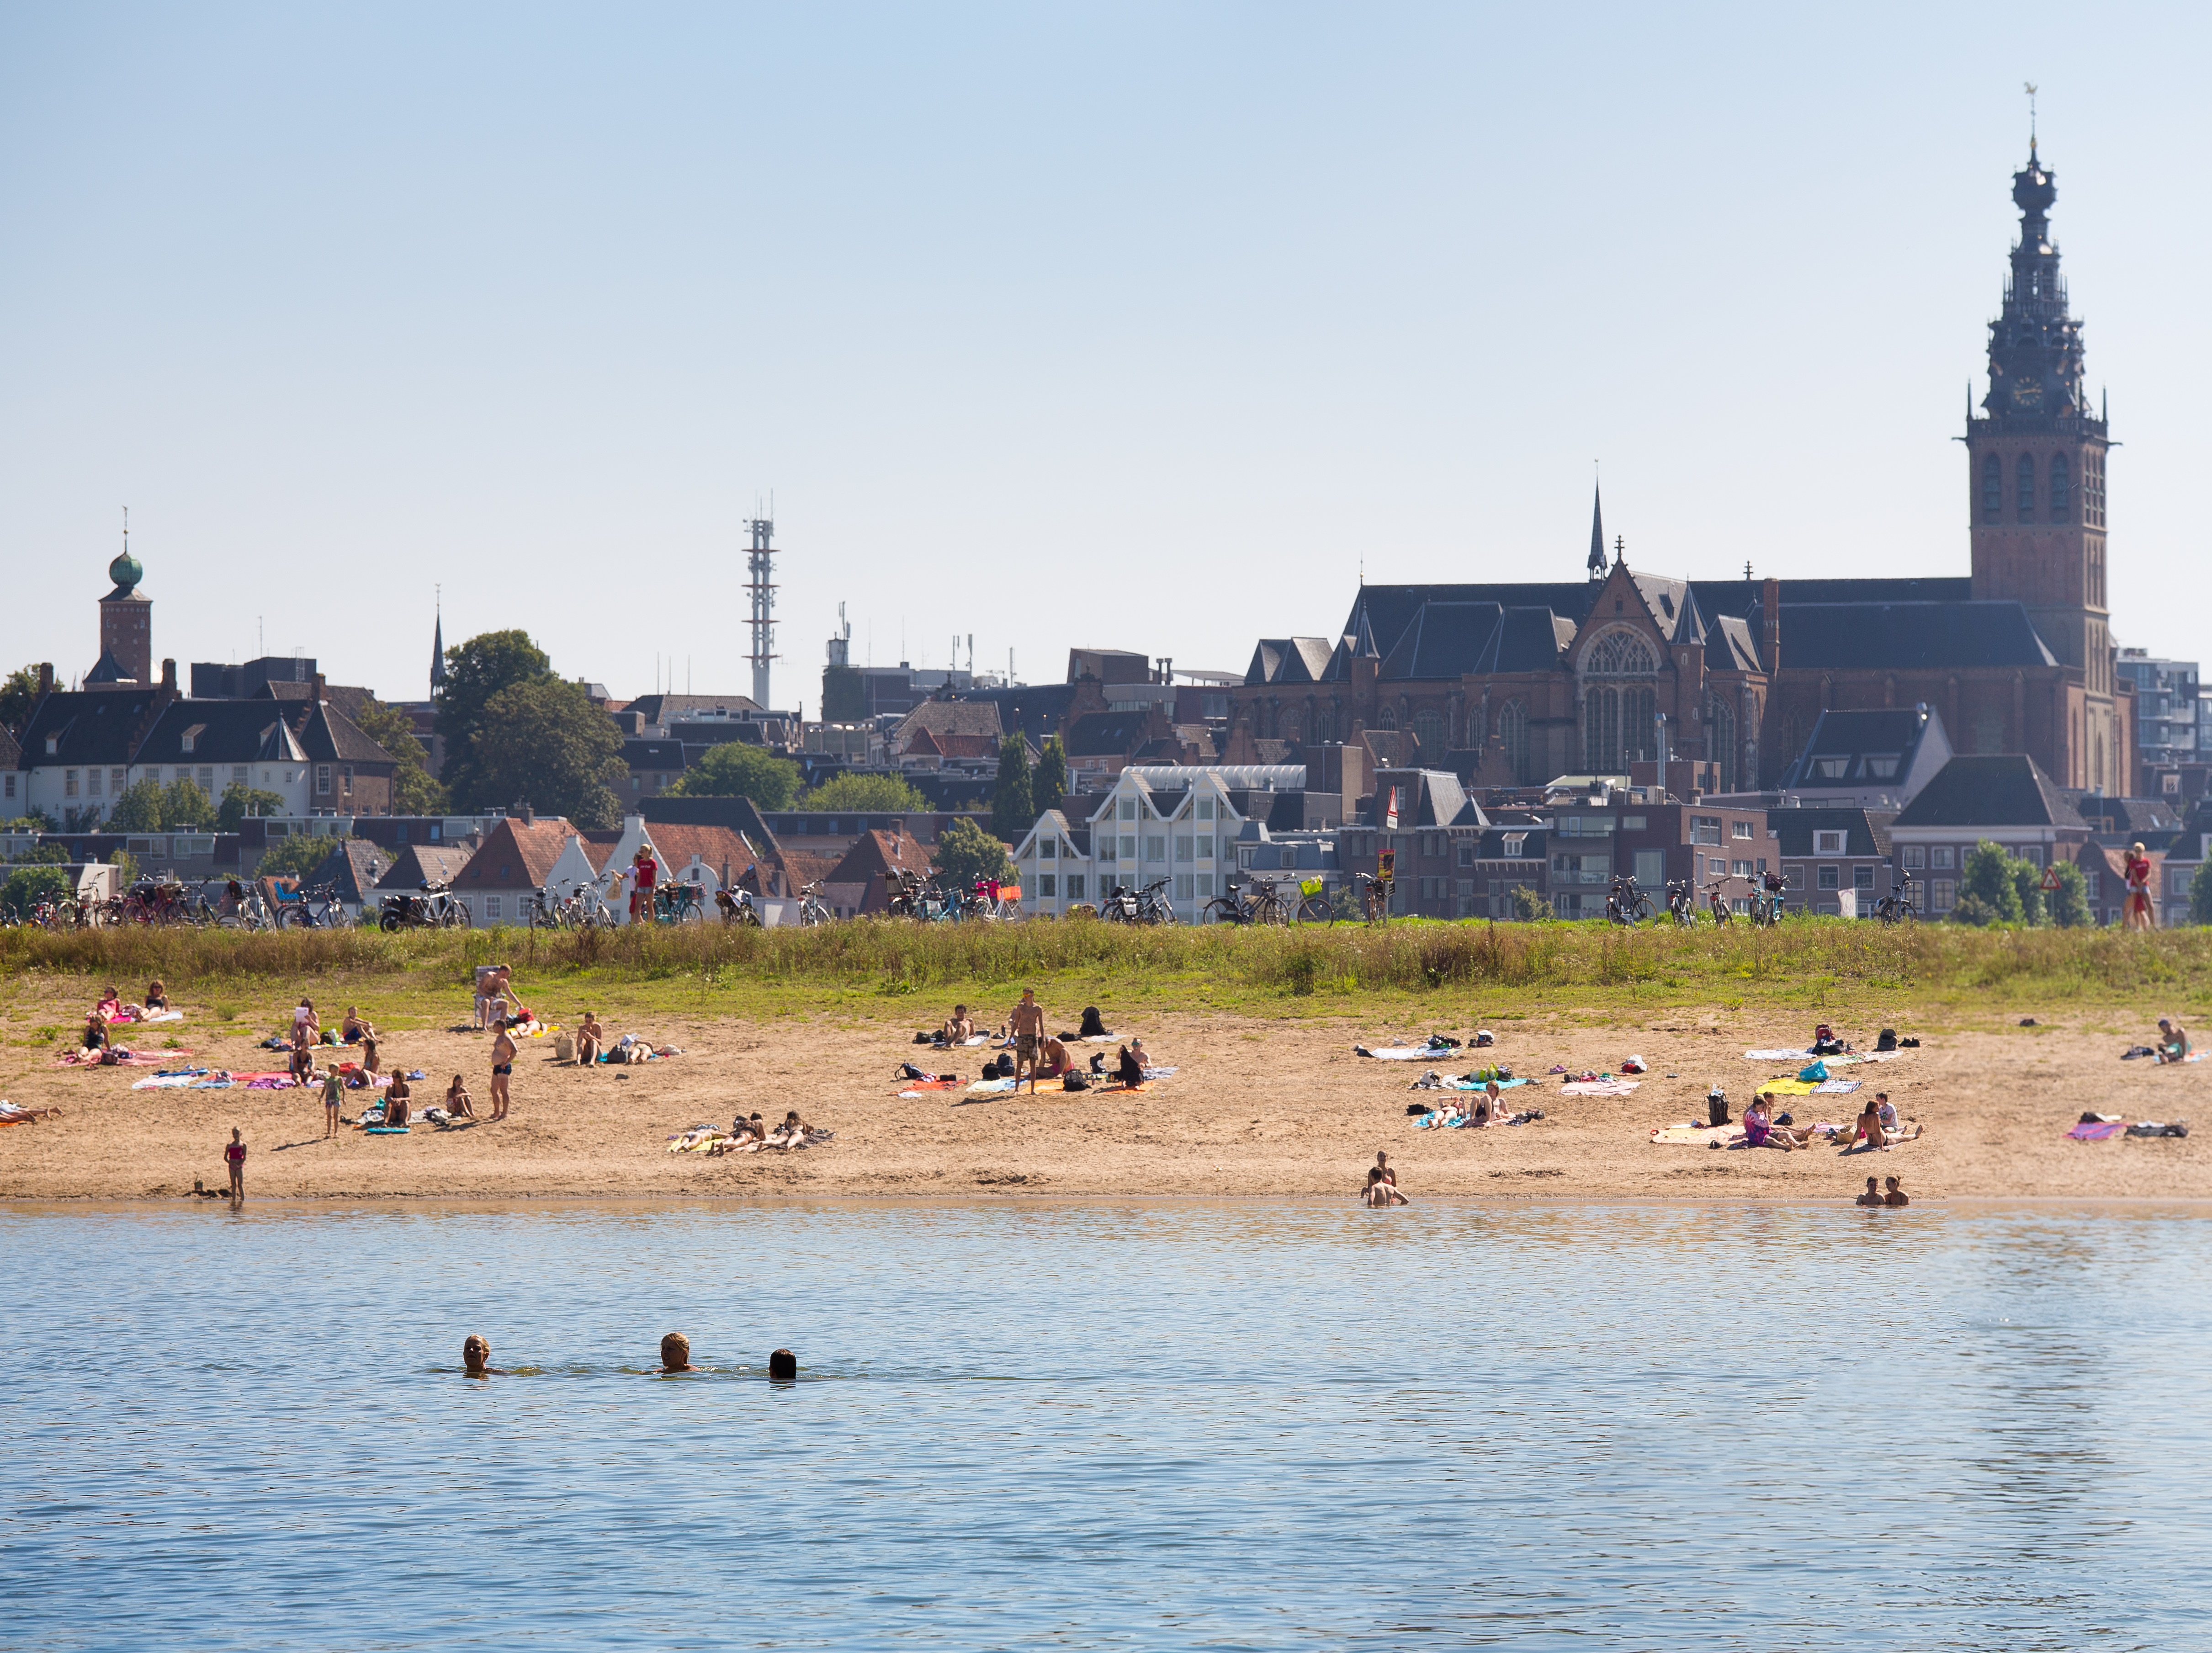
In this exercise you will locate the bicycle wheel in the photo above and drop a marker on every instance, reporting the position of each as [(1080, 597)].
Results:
[(456, 917), (1219, 910), (1644, 909), (1316, 909)]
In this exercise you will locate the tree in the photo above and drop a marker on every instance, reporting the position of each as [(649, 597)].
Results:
[(735, 769), (139, 809), (880, 793), (1050, 785), (27, 885), (126, 867), (2200, 895), (966, 852), (477, 672), (1973, 909), (1012, 813), (295, 856), (2069, 902), (2027, 884), (1529, 906), (241, 802), (37, 821), (545, 741), (18, 693), (413, 791), (1987, 881), (185, 808), (48, 855)]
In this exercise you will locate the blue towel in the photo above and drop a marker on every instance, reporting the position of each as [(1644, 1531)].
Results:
[(1814, 1073)]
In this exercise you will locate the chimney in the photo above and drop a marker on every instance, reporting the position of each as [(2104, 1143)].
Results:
[(168, 680), (46, 678), (171, 667), (1770, 625), (521, 808)]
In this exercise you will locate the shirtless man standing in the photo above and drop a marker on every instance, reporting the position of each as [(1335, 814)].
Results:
[(1029, 1029), (503, 1051)]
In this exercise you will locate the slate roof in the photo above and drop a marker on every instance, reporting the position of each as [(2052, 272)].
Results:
[(1040, 709), (666, 756), (1907, 637), (1729, 647), (416, 864), (739, 814), (331, 737), (1991, 790), (347, 698), (1291, 660), (1845, 746), (876, 851), (662, 709), (1426, 798), (1866, 832), (2126, 815), (353, 865), (226, 732), (107, 669), (99, 726), (1106, 734)]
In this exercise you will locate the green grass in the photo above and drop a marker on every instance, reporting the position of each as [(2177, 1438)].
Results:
[(885, 968)]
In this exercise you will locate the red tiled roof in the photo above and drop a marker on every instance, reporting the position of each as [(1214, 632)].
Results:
[(516, 856), (723, 848)]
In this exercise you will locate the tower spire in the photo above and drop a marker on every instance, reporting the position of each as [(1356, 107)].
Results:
[(1596, 562), (2035, 343), (438, 643)]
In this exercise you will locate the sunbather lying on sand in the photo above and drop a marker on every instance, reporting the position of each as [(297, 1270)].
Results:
[(10, 1113)]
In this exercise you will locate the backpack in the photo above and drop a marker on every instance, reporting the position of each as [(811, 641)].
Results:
[(1074, 1082), (1888, 1040), (908, 1071)]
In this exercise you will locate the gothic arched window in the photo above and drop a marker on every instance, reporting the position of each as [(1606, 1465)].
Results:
[(1390, 717), (1429, 733), (1992, 488), (1513, 736), (2025, 472), (1619, 652), (2062, 501), (1720, 740)]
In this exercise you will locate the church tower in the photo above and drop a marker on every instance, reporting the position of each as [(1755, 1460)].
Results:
[(2036, 480)]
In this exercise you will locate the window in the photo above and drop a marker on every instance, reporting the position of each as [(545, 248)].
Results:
[(1915, 856), (1206, 886), (1466, 855), (1428, 732), (1048, 850), (1047, 884), (1940, 855), (1228, 848), (1184, 849), (1992, 488), (1825, 843), (1881, 768), (1156, 847), (1704, 829), (1720, 740), (1128, 847), (2062, 501), (1206, 809), (1184, 886), (1862, 878), (69, 783), (1740, 869), (2031, 853), (11, 785), (636, 782), (1206, 847), (1128, 809), (1105, 846), (1632, 823), (1515, 844), (1715, 867), (322, 780), (491, 907), (1942, 895), (207, 778), (1513, 736), (92, 783), (1830, 876), (1738, 829), (238, 774), (186, 742), (1075, 886), (2025, 470), (2096, 881)]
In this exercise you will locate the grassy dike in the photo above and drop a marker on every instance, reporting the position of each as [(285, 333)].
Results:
[(1419, 969)]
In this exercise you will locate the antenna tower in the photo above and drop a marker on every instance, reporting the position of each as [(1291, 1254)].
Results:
[(760, 565)]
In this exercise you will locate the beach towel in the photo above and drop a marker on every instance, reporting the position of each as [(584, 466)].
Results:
[(1157, 1072), (1600, 1087), (1775, 1055), (1464, 1082), (123, 1058), (271, 1082), (385, 1130), (994, 1087), (2157, 1127), (1403, 1053), (1689, 1134), (2097, 1131), (171, 1081), (917, 1087), (1836, 1087)]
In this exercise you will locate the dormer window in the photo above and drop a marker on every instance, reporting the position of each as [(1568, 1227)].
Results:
[(53, 745), (1827, 843), (1206, 809)]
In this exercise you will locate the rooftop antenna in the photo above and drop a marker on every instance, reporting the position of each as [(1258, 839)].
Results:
[(760, 565)]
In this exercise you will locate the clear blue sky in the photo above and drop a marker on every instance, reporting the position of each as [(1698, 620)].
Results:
[(1128, 326)]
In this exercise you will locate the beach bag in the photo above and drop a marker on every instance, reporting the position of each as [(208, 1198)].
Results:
[(564, 1047), (908, 1071), (1814, 1073), (1074, 1082), (1888, 1040), (1716, 1109)]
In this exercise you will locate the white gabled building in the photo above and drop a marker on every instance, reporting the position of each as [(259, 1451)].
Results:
[(1178, 822)]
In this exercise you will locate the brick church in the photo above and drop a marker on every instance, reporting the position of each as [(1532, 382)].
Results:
[(1511, 683)]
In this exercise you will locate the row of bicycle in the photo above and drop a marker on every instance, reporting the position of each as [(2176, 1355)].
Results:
[(230, 903), (1628, 903)]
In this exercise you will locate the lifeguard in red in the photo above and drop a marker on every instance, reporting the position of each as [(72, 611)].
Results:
[(644, 873)]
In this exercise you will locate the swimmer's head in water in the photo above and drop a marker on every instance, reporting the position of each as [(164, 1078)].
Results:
[(476, 1353), (675, 1351), (783, 1364), (1892, 1182)]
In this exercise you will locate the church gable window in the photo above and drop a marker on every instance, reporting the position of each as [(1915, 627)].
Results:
[(1513, 735), (2026, 471), (1992, 488), (1619, 652), (1429, 733), (2061, 491)]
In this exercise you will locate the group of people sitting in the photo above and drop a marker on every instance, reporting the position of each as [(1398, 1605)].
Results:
[(1487, 1109), (1876, 1127), (113, 1007)]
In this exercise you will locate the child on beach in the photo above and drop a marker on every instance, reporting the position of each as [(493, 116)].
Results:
[(333, 1097), (234, 1157)]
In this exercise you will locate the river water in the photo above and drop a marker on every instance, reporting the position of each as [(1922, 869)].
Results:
[(1168, 1426)]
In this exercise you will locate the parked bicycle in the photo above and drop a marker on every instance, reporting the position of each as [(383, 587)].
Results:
[(736, 907), (435, 907), (1767, 897), (1716, 897), (243, 908), (1682, 902), (679, 903), (1149, 905), (315, 909), (1897, 907), (1624, 904), (1375, 896), (1255, 900), (812, 909)]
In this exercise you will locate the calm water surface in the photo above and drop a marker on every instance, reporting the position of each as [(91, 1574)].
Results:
[(1162, 1427)]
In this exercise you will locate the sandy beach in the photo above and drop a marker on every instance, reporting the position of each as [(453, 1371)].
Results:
[(1259, 1107)]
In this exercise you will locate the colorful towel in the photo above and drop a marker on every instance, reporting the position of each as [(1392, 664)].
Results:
[(171, 1081), (2098, 1130), (1600, 1087), (1836, 1087), (994, 1087), (1403, 1053), (130, 1059), (917, 1087), (1474, 1084)]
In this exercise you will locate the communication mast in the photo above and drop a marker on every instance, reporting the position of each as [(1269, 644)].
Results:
[(840, 641), (760, 564)]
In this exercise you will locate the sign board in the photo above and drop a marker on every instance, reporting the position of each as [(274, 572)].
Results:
[(1390, 812), (1386, 866), (2051, 875)]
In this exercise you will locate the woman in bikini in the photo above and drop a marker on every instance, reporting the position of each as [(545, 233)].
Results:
[(396, 1100), (157, 997), (457, 1099), (503, 1053)]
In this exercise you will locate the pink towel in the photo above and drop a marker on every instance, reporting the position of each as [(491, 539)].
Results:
[(2098, 1130)]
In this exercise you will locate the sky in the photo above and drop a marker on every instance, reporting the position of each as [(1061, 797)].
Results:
[(1148, 327)]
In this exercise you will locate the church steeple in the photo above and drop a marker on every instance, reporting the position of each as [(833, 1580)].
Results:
[(1596, 562), (2035, 345), (437, 652)]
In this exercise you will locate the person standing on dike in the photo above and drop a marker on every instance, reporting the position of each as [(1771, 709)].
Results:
[(644, 873), (2139, 914), (1029, 1029), (503, 1053)]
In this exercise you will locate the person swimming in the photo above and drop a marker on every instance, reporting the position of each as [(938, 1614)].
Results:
[(1872, 1196), (676, 1353), (476, 1357), (1381, 1191)]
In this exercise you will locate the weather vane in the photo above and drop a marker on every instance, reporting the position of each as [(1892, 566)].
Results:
[(2030, 85)]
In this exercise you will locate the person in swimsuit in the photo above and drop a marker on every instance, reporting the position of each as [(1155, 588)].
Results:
[(676, 1353), (1872, 1197), (1896, 1196), (306, 1026), (396, 1100), (157, 997), (503, 1051), (1383, 1165), (476, 1357), (95, 1032), (1379, 1192), (353, 1030), (110, 1007), (457, 1099), (333, 1096), (234, 1157), (959, 1027), (1029, 1028), (2138, 912), (591, 1040), (2172, 1040), (1052, 1060)]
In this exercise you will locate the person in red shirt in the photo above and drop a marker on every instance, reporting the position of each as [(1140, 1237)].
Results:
[(234, 1157), (644, 873), (2138, 916)]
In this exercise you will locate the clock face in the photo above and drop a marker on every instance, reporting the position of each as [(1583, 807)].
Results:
[(2027, 396)]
